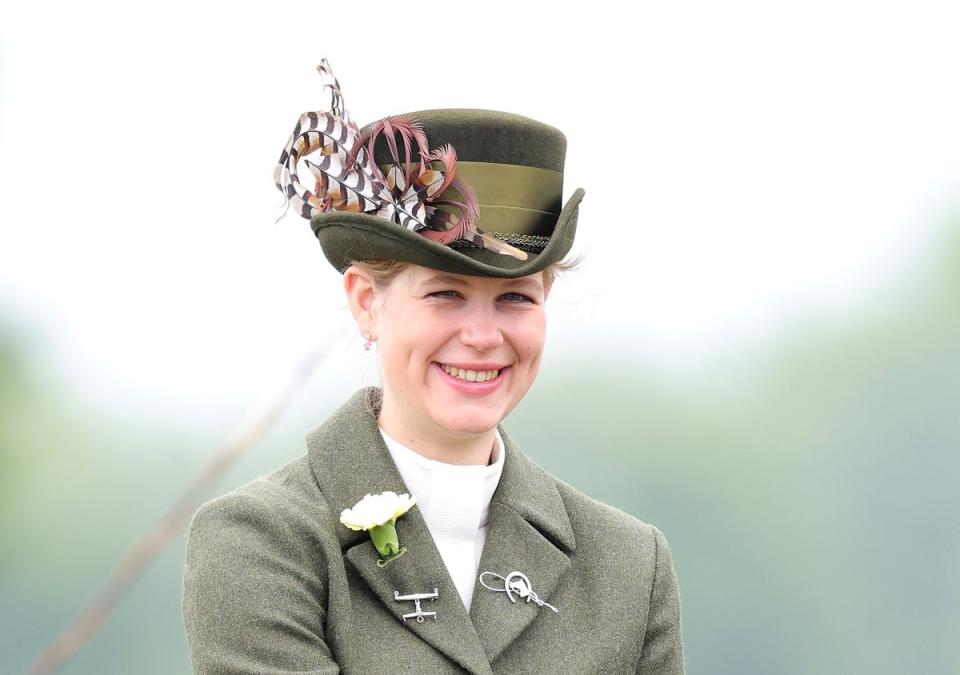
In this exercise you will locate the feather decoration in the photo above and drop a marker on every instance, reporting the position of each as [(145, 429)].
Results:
[(346, 177)]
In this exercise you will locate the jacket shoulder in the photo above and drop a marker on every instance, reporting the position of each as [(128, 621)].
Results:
[(284, 505), (588, 514), (278, 497), (255, 576), (613, 544)]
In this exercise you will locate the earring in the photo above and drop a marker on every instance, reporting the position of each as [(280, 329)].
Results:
[(367, 341)]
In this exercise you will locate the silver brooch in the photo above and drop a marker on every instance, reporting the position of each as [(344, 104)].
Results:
[(516, 583), (417, 597)]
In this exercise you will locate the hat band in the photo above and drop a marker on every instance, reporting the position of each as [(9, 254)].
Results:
[(514, 199)]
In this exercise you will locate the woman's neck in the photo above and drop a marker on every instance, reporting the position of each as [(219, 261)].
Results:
[(442, 445)]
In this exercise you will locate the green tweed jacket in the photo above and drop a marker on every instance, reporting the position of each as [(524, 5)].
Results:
[(273, 583)]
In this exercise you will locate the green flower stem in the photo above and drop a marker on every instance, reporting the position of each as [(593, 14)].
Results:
[(385, 539)]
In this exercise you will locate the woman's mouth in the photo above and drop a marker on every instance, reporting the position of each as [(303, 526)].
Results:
[(470, 375), (470, 381)]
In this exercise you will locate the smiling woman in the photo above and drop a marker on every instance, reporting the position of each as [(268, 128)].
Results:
[(458, 352), (465, 555)]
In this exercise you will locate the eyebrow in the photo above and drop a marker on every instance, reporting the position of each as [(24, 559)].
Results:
[(517, 282)]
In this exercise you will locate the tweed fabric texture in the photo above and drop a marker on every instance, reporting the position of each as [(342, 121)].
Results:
[(274, 584)]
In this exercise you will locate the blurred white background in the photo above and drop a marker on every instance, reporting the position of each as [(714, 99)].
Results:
[(744, 163), (760, 354)]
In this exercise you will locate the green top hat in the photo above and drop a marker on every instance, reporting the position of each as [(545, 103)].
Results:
[(469, 191)]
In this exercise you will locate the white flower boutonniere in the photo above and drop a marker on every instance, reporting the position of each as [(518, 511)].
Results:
[(377, 514)]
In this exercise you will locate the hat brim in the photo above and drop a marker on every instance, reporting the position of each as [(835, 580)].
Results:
[(345, 237)]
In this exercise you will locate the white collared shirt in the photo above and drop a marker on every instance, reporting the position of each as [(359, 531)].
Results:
[(455, 502)]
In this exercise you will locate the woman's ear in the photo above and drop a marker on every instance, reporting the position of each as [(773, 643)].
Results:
[(361, 296)]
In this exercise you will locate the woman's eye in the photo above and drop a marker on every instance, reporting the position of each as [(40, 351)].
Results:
[(512, 297)]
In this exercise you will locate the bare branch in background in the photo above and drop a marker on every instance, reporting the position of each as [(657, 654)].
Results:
[(169, 527)]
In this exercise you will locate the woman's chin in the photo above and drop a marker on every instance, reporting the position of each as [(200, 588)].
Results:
[(468, 419), (470, 424), (468, 412)]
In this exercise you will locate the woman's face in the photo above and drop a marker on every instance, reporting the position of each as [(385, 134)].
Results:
[(440, 334)]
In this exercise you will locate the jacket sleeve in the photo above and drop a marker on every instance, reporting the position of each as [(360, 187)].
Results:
[(662, 651), (253, 592)]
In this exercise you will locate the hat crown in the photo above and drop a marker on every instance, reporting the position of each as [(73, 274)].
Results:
[(375, 198), (482, 135)]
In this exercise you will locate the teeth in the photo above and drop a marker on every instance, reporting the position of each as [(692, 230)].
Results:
[(470, 375)]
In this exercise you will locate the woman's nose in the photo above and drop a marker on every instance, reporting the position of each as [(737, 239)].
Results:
[(481, 331)]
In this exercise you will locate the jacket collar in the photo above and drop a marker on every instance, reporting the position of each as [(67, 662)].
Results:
[(529, 531)]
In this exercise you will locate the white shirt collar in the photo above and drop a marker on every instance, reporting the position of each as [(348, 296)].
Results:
[(453, 498)]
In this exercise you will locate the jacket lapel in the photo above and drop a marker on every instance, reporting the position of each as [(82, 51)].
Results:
[(529, 531), (349, 460)]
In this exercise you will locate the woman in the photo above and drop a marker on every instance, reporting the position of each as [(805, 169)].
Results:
[(492, 565)]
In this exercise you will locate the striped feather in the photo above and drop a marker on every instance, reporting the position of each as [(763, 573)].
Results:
[(339, 184), (346, 178)]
